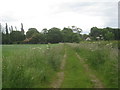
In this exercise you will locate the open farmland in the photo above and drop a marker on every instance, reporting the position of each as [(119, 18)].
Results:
[(59, 44), (69, 65), (30, 65)]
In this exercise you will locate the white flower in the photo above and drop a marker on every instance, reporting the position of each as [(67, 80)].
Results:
[(33, 48), (32, 78), (92, 50)]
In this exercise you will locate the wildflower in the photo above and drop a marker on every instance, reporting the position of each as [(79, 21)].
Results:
[(33, 48), (110, 43), (92, 50), (107, 44), (47, 48), (32, 78)]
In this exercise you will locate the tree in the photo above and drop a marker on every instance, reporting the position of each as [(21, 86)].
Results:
[(15, 28), (76, 29), (54, 35), (0, 33), (67, 34), (79, 30), (22, 30), (0, 27), (45, 31), (37, 38), (16, 36), (109, 36), (95, 33), (75, 38), (31, 32), (11, 28), (6, 27), (7, 37), (4, 40)]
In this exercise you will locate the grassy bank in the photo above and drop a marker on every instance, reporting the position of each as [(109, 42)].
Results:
[(102, 57), (30, 66), (36, 66)]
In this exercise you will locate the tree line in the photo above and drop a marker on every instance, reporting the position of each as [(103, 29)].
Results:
[(105, 33), (55, 35)]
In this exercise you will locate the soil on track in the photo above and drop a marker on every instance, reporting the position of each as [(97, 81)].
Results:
[(60, 75), (96, 82)]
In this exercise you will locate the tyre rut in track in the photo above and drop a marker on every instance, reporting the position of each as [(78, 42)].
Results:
[(97, 83), (60, 75)]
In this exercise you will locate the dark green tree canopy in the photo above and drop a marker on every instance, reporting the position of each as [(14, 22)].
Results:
[(54, 35), (31, 32), (22, 30), (37, 38), (45, 31), (105, 33), (67, 34), (6, 29), (16, 36)]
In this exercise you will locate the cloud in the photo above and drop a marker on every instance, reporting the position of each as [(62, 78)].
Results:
[(98, 14), (59, 13), (8, 19)]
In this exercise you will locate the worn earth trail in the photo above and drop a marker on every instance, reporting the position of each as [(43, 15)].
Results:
[(96, 82), (57, 83)]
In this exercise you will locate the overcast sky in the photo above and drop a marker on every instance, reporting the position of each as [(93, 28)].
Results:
[(59, 13)]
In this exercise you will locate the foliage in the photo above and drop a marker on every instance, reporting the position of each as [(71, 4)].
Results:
[(67, 34), (22, 30), (54, 35), (37, 38), (16, 36), (30, 66), (101, 57), (109, 36), (104, 34), (31, 32)]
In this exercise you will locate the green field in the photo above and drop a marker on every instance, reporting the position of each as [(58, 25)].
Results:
[(69, 65)]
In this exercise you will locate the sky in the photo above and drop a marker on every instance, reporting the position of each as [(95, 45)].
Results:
[(40, 14)]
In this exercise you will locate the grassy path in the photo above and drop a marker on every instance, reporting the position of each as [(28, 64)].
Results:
[(77, 74), (97, 83), (82, 65), (60, 75)]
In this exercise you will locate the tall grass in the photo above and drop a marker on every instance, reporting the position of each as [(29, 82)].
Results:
[(75, 75), (0, 66), (101, 57), (30, 66)]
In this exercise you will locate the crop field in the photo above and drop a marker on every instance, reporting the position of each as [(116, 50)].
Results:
[(63, 65)]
